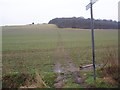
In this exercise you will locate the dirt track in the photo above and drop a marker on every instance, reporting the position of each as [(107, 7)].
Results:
[(64, 64)]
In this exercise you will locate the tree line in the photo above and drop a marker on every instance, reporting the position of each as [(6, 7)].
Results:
[(83, 23)]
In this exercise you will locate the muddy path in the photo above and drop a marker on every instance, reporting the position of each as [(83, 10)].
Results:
[(64, 66)]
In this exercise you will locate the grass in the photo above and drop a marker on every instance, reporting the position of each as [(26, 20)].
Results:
[(35, 37), (14, 80), (100, 82), (17, 80), (28, 61), (49, 79), (31, 47), (70, 84), (107, 76)]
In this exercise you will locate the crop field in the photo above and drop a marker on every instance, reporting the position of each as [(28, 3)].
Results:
[(39, 47), (26, 48)]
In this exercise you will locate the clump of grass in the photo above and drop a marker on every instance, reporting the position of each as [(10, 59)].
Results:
[(110, 70), (62, 73), (70, 84), (23, 80), (49, 79), (14, 80), (39, 81), (98, 83)]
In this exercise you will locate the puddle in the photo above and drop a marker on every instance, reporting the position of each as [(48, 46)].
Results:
[(58, 71), (58, 68)]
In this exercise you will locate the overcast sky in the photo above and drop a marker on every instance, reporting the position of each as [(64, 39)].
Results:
[(17, 12)]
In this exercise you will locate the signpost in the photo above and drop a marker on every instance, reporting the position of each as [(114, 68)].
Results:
[(90, 5), (93, 1)]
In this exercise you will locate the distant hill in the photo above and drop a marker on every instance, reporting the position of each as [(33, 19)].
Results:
[(83, 23)]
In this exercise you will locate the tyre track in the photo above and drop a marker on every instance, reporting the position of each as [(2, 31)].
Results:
[(64, 64)]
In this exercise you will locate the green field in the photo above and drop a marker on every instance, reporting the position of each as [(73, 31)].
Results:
[(30, 47)]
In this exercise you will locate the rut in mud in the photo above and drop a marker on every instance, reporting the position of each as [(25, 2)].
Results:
[(64, 64)]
